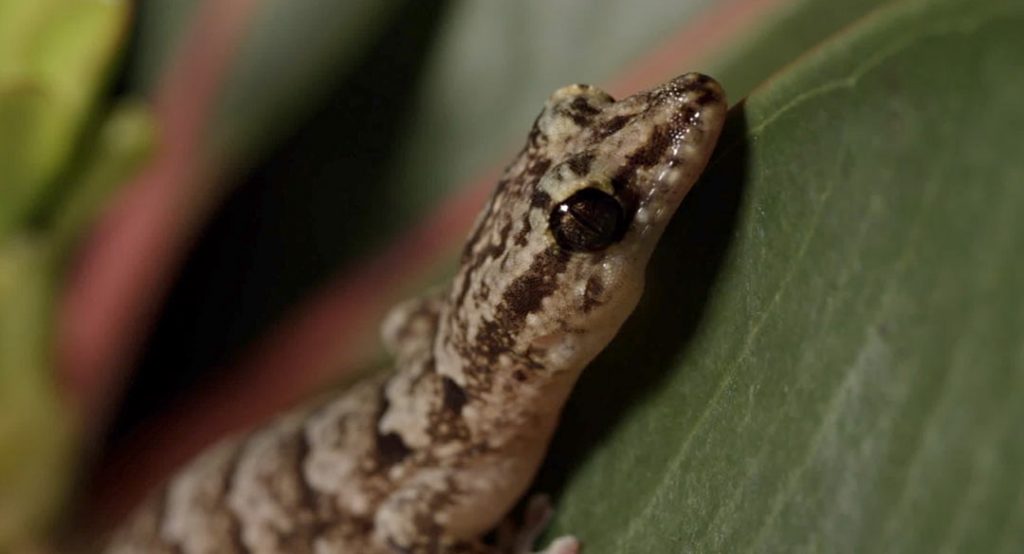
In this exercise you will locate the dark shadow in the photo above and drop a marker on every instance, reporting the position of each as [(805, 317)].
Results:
[(679, 280), (293, 221)]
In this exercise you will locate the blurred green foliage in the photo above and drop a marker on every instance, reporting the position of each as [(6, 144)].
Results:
[(59, 162), (53, 55)]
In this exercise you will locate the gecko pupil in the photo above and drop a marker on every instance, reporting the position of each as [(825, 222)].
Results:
[(588, 221)]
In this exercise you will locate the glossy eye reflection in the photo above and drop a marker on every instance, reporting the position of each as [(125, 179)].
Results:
[(588, 221)]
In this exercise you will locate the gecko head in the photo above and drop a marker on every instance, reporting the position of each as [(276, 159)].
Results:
[(557, 260), (622, 173)]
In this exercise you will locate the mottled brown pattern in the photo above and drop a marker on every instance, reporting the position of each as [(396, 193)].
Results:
[(580, 163), (653, 150), (525, 294), (426, 459), (613, 125)]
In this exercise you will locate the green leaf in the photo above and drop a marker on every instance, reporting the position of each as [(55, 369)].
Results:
[(791, 33), (36, 437), (53, 57), (829, 356)]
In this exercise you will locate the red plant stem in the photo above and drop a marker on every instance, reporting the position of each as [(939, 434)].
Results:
[(125, 266)]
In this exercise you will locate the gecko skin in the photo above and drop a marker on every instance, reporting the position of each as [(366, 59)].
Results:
[(429, 458)]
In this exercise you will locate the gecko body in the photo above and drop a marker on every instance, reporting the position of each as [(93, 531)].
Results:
[(430, 457)]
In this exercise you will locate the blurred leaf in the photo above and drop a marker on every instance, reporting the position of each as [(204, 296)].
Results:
[(35, 433), (23, 131), (285, 66), (296, 52), (158, 31), (829, 357), (53, 57), (125, 139)]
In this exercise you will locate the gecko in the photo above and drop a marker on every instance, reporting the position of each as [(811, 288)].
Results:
[(430, 457)]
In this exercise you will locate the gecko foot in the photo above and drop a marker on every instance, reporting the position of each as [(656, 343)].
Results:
[(536, 518)]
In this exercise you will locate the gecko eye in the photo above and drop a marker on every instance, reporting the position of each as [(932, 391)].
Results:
[(588, 221)]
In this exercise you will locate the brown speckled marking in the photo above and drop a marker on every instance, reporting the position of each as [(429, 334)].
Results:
[(429, 458), (580, 163), (592, 293)]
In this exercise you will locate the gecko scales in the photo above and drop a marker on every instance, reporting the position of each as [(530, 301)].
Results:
[(429, 458)]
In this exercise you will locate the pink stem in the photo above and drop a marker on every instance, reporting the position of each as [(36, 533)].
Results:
[(125, 266)]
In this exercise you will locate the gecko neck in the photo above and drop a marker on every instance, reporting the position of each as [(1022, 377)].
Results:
[(491, 372), (515, 382)]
